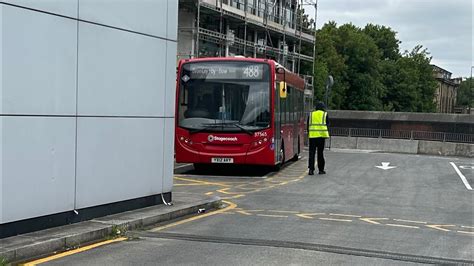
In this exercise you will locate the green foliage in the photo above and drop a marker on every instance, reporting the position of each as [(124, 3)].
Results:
[(369, 71), (3, 261), (117, 231), (466, 93)]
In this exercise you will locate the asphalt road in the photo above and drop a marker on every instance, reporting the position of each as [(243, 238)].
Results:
[(420, 211)]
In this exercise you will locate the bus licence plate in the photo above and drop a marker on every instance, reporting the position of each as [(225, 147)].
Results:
[(222, 160)]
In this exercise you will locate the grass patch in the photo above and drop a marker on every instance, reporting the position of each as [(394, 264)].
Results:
[(116, 232), (218, 205)]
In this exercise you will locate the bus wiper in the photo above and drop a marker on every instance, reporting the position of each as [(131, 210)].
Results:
[(235, 124), (206, 127), (243, 129)]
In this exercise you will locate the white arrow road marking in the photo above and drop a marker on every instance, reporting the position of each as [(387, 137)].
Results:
[(385, 166), (463, 178)]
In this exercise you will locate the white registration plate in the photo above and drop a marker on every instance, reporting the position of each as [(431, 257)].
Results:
[(222, 160)]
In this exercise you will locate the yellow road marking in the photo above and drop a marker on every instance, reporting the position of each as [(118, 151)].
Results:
[(439, 226), (224, 191), (345, 215), (193, 184), (209, 193), (201, 182), (276, 211), (244, 212), (308, 215), (230, 207), (271, 215), (233, 197), (337, 220), (404, 226), (466, 232), (408, 221), (74, 251), (373, 220)]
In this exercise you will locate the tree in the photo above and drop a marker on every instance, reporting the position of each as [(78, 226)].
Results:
[(385, 39), (466, 93), (352, 58), (370, 72)]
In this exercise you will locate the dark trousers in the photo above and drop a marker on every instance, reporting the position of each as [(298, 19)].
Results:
[(316, 143)]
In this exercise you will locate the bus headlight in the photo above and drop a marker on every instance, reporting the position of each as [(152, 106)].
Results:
[(258, 143), (185, 141)]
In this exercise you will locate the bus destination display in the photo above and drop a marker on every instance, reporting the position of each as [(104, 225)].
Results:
[(225, 71)]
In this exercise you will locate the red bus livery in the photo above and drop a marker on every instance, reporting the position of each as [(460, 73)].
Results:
[(238, 111)]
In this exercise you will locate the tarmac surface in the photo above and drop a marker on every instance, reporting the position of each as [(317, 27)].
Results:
[(370, 208)]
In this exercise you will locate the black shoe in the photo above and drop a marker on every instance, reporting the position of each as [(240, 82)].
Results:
[(311, 172), (322, 172)]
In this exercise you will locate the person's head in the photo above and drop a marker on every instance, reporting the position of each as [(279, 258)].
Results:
[(320, 106)]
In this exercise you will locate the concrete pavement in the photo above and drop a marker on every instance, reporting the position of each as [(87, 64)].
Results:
[(371, 208), (50, 241)]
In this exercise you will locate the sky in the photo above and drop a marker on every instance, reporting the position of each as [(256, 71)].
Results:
[(445, 27)]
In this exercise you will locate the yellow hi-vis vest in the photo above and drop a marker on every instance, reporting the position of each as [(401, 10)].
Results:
[(317, 125)]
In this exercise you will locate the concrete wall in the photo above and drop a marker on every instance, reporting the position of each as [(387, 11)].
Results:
[(404, 146), (87, 103)]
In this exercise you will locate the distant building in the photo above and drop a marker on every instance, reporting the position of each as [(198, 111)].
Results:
[(447, 91)]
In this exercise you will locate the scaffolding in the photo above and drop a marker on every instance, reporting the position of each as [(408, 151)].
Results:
[(253, 28)]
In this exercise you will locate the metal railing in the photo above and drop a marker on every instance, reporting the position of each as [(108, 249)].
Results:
[(217, 38), (401, 134)]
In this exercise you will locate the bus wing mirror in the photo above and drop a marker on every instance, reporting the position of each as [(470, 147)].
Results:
[(283, 90)]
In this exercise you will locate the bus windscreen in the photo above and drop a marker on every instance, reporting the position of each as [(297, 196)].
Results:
[(228, 96)]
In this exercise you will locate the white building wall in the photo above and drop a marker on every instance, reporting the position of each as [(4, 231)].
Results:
[(86, 107)]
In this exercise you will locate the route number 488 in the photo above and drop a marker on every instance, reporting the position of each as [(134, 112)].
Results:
[(251, 72)]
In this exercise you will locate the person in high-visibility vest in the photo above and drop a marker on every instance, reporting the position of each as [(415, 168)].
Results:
[(317, 125)]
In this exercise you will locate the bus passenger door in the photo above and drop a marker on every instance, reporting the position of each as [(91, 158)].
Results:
[(277, 122)]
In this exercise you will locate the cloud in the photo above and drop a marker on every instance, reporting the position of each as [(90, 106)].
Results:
[(444, 27)]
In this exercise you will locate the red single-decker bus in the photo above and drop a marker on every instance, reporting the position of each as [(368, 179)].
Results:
[(243, 111)]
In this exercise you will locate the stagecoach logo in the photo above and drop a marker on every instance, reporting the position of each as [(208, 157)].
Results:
[(212, 138)]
